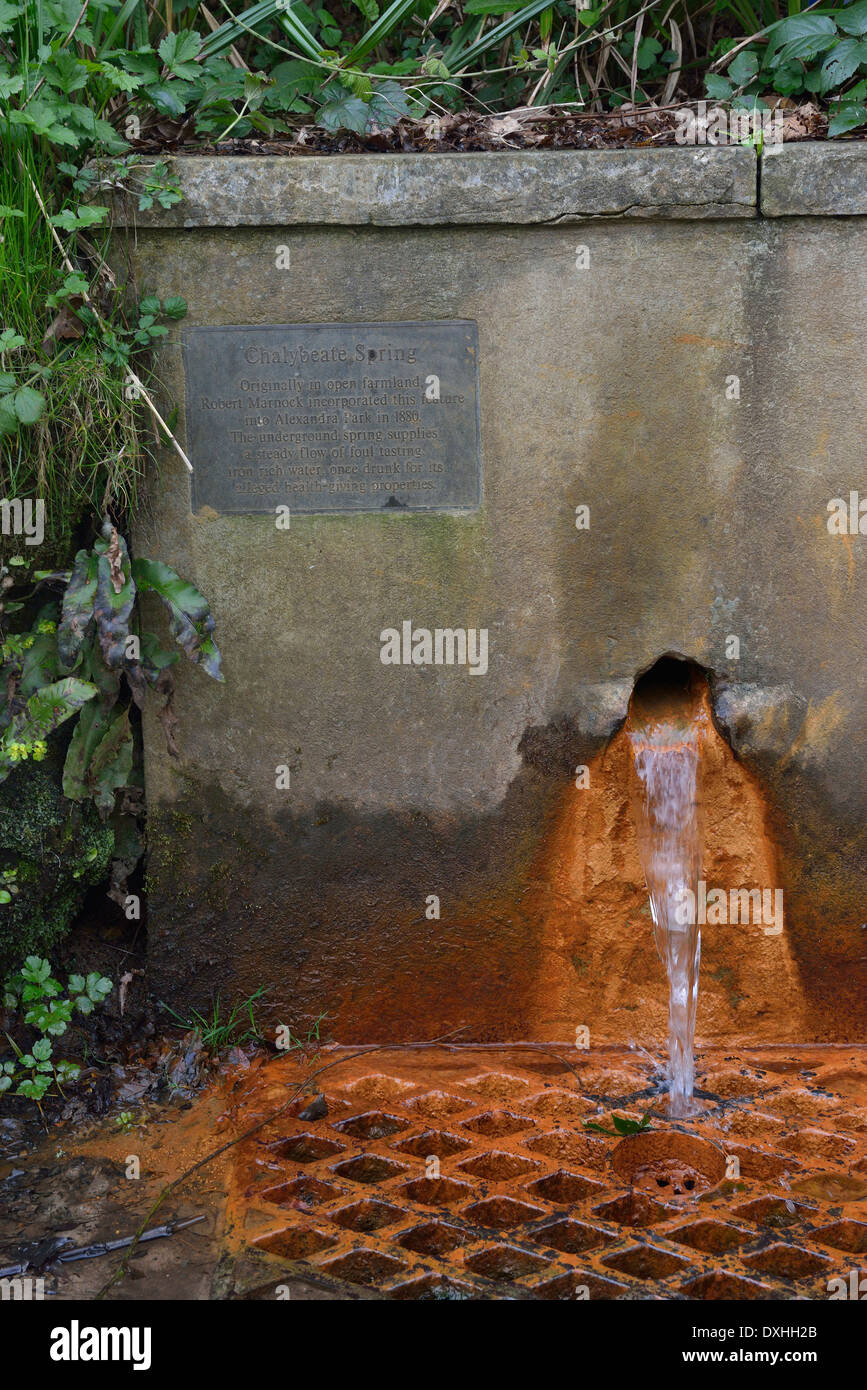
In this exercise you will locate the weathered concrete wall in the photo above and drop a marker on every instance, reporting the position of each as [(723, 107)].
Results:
[(604, 386)]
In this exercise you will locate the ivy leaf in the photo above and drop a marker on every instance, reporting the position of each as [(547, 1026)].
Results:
[(387, 105), (743, 68), (345, 112), (718, 88)]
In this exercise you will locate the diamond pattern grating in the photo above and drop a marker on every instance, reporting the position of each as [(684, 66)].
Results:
[(467, 1173)]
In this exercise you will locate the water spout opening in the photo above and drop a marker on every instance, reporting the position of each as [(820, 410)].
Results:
[(668, 717)]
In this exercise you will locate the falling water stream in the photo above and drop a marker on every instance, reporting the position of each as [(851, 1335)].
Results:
[(665, 727)]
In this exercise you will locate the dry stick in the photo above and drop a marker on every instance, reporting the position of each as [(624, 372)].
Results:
[(123, 1267), (135, 379)]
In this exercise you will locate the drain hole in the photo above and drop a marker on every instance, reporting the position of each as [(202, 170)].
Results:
[(564, 1188), (576, 1286), (771, 1211), (434, 1288), (501, 1211), (368, 1168), (788, 1261), (726, 1286), (302, 1193), (367, 1216), (433, 1141), (646, 1262), (498, 1167), (844, 1235), (633, 1209), (305, 1148), (296, 1243), (505, 1262), (365, 1267), (571, 1236), (436, 1192), (432, 1238), (373, 1125), (713, 1237)]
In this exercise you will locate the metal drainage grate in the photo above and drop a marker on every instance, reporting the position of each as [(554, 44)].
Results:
[(444, 1178)]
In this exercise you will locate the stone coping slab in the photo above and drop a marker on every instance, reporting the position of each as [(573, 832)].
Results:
[(521, 187), (815, 178)]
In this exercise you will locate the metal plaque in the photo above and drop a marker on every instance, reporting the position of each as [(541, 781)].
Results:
[(334, 417)]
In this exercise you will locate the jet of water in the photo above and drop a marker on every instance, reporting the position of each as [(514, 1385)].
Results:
[(666, 760)]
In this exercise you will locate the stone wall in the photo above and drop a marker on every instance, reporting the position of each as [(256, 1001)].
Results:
[(616, 295)]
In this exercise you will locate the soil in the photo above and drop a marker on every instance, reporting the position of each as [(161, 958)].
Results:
[(524, 128)]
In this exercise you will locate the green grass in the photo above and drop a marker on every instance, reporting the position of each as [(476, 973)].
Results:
[(86, 450), (219, 1030)]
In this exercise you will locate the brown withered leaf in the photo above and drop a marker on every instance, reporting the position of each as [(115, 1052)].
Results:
[(114, 556), (65, 325), (166, 714)]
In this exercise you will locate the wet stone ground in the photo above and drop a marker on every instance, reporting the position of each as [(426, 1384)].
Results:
[(466, 1173)]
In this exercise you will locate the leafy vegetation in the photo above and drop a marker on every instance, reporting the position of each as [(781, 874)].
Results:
[(48, 1010), (818, 54), (622, 1125), (82, 653), (94, 79), (51, 851), (218, 1029)]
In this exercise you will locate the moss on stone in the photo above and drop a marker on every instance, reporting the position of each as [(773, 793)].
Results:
[(57, 848)]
